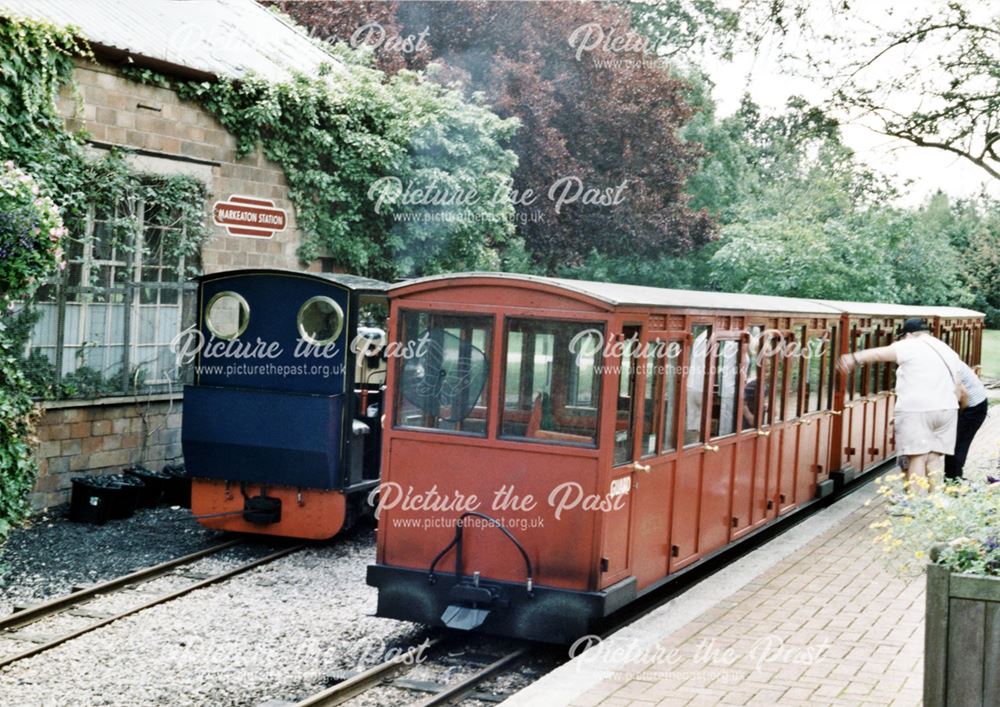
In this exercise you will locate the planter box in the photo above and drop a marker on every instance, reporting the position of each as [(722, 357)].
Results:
[(961, 640)]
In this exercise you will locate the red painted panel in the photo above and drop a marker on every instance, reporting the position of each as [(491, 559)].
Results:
[(684, 528), (319, 516), (879, 408), (498, 295), (715, 520), (615, 545), (744, 477), (773, 471), (561, 549), (760, 481), (824, 432), (854, 436), (805, 483), (789, 468), (651, 503)]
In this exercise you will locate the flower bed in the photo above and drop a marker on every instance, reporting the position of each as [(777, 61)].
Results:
[(957, 529)]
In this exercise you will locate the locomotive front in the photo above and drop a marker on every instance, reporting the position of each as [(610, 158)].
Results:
[(281, 428)]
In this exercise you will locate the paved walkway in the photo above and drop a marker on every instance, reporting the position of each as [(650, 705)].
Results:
[(815, 617)]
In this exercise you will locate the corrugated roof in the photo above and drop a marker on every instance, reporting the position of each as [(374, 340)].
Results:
[(217, 37), (640, 295)]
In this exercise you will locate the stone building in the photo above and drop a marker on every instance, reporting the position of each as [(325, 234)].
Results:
[(136, 304)]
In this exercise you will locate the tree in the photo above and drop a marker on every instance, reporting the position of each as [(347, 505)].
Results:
[(601, 164), (926, 75)]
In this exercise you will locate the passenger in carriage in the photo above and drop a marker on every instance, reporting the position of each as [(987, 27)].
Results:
[(927, 394)]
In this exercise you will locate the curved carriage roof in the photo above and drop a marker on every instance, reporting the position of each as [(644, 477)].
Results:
[(351, 282), (617, 295)]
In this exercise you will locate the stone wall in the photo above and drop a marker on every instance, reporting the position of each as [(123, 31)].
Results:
[(179, 136), (102, 437)]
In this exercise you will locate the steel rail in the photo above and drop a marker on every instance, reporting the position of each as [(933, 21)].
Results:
[(460, 689), (159, 600), (355, 685), (32, 614)]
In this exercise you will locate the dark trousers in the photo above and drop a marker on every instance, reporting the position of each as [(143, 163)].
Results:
[(969, 421)]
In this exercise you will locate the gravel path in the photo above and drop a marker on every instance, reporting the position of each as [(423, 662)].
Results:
[(52, 554), (279, 632)]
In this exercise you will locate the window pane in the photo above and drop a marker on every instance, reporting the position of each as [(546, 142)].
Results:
[(726, 378), (550, 373), (651, 400), (779, 361), (751, 390), (814, 353), (443, 384), (626, 398), (673, 383), (693, 432)]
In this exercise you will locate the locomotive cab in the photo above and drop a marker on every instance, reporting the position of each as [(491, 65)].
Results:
[(281, 427)]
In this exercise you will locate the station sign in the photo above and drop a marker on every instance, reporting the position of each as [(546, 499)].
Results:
[(249, 217)]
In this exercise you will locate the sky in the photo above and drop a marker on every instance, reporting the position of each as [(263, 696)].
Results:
[(771, 81)]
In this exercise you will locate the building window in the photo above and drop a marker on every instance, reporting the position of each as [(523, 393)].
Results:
[(105, 324)]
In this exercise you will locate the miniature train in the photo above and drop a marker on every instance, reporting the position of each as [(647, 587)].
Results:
[(559, 448), (549, 449)]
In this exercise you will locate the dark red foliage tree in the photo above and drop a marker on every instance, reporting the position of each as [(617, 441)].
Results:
[(600, 116)]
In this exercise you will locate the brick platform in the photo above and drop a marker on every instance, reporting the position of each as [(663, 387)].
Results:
[(815, 617)]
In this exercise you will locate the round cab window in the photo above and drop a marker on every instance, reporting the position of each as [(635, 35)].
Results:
[(227, 315), (320, 321)]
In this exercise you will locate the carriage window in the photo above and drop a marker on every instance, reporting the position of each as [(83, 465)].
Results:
[(794, 346), (726, 379), (873, 368), (833, 352), (754, 375), (626, 397), (320, 321), (858, 372), (695, 388), (814, 355), (778, 361), (551, 381), (444, 372), (653, 360), (672, 368), (227, 315)]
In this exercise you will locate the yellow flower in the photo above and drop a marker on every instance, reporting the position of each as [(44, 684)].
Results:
[(919, 554)]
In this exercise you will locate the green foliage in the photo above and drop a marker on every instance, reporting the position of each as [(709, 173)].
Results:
[(355, 146), (31, 231), (954, 526), (47, 184)]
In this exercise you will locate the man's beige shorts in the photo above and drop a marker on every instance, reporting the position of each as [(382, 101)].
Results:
[(925, 432)]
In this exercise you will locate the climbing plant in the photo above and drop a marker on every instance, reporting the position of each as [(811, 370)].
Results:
[(47, 184), (389, 176)]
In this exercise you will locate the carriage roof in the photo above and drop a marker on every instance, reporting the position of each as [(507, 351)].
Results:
[(621, 295)]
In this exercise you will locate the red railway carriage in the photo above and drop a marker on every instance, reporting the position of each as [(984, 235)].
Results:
[(554, 448)]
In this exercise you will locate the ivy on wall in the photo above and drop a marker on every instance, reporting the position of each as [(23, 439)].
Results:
[(389, 176), (47, 185)]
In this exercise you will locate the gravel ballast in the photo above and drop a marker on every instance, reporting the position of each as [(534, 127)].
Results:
[(52, 554), (278, 633)]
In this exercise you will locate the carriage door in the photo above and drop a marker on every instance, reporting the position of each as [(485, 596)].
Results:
[(615, 559), (655, 433)]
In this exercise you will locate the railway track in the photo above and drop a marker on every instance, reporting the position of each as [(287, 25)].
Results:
[(386, 674), (75, 604)]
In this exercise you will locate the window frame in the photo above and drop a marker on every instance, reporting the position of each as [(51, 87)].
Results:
[(486, 395), (597, 394)]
